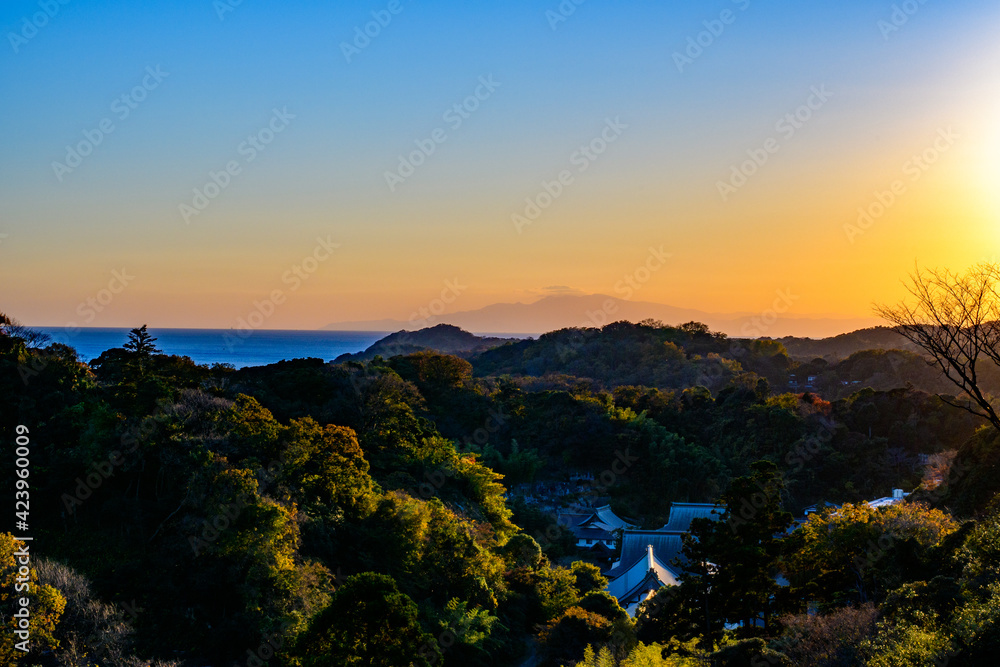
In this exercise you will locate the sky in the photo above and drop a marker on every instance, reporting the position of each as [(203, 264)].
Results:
[(187, 163)]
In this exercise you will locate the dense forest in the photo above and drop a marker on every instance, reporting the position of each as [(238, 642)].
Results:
[(378, 511)]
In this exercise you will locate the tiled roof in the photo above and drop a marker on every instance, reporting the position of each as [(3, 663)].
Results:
[(681, 515), (605, 516), (666, 546), (634, 580)]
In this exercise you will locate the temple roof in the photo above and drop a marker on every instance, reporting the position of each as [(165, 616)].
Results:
[(635, 543), (603, 517), (666, 542), (681, 515), (649, 572)]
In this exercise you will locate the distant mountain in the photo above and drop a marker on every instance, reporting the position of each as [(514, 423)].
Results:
[(441, 338), (593, 310)]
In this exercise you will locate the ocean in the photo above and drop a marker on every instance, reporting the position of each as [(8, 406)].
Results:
[(211, 346)]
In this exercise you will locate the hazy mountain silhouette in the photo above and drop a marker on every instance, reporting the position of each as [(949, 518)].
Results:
[(561, 311)]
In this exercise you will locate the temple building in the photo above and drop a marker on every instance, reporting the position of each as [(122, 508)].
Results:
[(646, 561), (596, 531)]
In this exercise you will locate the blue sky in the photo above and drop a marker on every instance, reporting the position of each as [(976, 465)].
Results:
[(558, 83)]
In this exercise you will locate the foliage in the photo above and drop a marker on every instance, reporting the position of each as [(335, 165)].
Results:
[(858, 553), (828, 640), (231, 507), (566, 637), (368, 622), (733, 560), (45, 608), (640, 656)]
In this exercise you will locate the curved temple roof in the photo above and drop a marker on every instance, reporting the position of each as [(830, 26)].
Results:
[(681, 515), (648, 573), (647, 556)]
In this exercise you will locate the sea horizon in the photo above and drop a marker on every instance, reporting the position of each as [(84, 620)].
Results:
[(229, 346), (221, 346)]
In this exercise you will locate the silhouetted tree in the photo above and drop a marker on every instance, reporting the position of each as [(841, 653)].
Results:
[(956, 320), (141, 343)]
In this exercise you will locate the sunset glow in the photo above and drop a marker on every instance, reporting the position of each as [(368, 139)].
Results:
[(908, 105)]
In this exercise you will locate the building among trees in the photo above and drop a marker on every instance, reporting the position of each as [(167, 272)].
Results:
[(596, 532), (646, 563)]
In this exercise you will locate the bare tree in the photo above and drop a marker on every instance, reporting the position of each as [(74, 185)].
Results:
[(956, 320), (32, 339)]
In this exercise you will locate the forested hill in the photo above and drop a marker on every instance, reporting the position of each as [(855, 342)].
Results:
[(844, 345), (675, 357), (441, 338), (185, 514)]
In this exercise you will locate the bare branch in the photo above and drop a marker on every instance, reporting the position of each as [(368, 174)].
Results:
[(956, 320)]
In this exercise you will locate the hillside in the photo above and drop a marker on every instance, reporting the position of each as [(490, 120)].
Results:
[(844, 345), (427, 485), (441, 338)]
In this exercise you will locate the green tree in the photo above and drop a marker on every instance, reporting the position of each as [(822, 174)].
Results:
[(588, 577), (141, 343), (326, 470), (368, 622), (565, 638), (735, 558), (858, 553), (46, 605), (141, 346), (678, 615)]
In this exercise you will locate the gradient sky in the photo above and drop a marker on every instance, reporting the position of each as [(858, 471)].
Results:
[(323, 176)]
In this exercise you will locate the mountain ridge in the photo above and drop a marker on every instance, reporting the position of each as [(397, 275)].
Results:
[(594, 310)]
